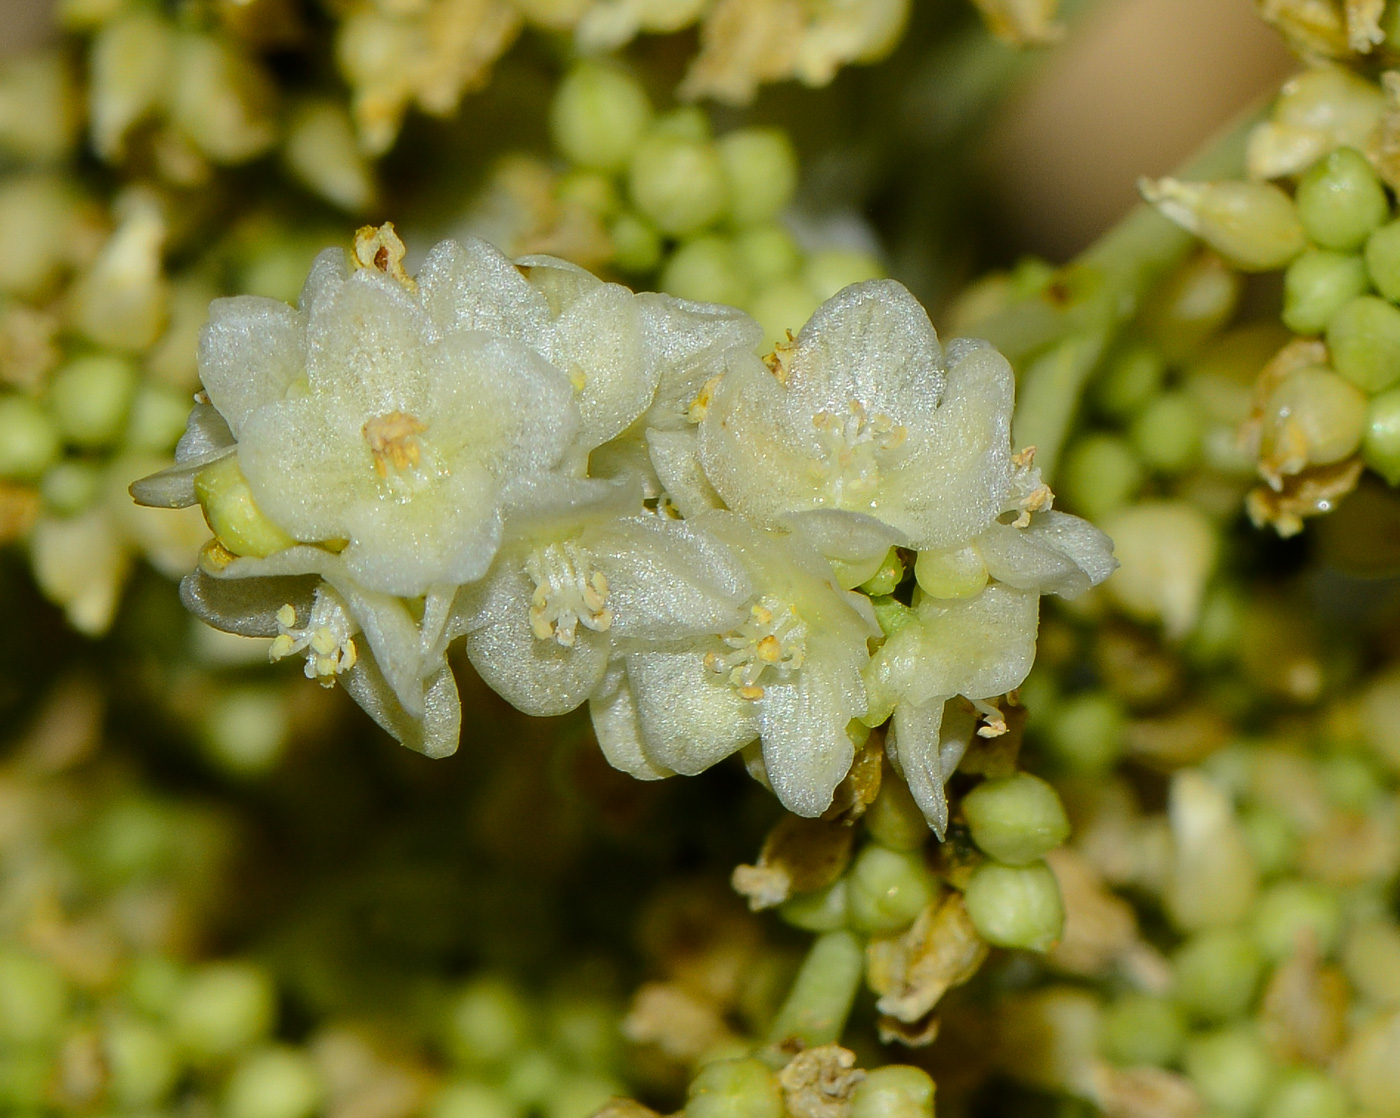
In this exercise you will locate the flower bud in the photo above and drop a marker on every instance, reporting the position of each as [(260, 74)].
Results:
[(1364, 339), (1293, 908), (782, 308), (1318, 284), (129, 68), (677, 182), (91, 398), (767, 253), (1253, 225), (821, 995), (121, 300), (37, 107), (221, 99), (321, 151), (1340, 201), (706, 269), (1016, 819), (887, 578), (893, 1091), (1140, 1029), (1230, 1068), (141, 1061), (1133, 378), (894, 819), (1016, 906), (1312, 418), (157, 419), (70, 486), (1194, 302), (33, 998), (487, 1023), (470, 1099), (37, 215), (958, 572), (225, 1008), (734, 1089), (761, 169), (1383, 260), (823, 910), (1167, 550), (233, 515), (1371, 959), (1212, 880), (1323, 108), (1087, 731), (1167, 433), (246, 729), (598, 115), (892, 615), (1100, 475), (887, 889), (636, 244), (1370, 1064), (28, 438), (832, 269), (1306, 1093), (276, 1083), (1380, 445), (1216, 973)]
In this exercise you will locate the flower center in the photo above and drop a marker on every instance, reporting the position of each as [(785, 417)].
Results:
[(851, 446), (326, 638), (393, 440), (774, 636), (569, 591)]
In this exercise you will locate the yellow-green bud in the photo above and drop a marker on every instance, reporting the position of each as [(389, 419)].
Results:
[(154, 984), (1350, 781), (761, 169), (1340, 200), (689, 122), (1364, 339), (1100, 474), (233, 515), (142, 1063), (1087, 731), (223, 1009), (70, 486), (1380, 445), (1167, 433), (886, 889), (470, 1099), (598, 116), (1140, 1029), (782, 307), (592, 190), (1306, 1093), (1195, 301), (824, 910), (28, 439), (894, 819), (706, 269), (1216, 973), (1271, 839), (1293, 908), (831, 269), (579, 1095), (887, 578), (276, 1083), (487, 1023), (636, 243), (1016, 906), (734, 1089), (1326, 411), (1371, 959), (1383, 260), (893, 1091), (1254, 225), (91, 397), (767, 253), (1230, 1068), (33, 998), (1317, 285), (246, 728), (1133, 377), (891, 614), (678, 182), (1016, 819), (157, 419), (957, 572)]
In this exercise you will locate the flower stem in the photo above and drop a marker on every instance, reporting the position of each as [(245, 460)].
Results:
[(822, 994)]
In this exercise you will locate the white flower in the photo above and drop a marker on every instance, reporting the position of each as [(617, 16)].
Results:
[(787, 674)]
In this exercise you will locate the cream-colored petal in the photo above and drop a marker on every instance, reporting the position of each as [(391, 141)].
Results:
[(915, 741), (614, 713), (473, 286), (689, 343), (675, 456), (806, 749), (980, 647), (250, 351), (690, 717)]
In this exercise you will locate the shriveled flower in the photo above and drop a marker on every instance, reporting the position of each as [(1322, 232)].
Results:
[(788, 675)]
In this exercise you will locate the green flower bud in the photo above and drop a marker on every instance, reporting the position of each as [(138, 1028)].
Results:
[(1291, 908), (1383, 260), (1132, 378), (1340, 200), (1306, 1093), (678, 183), (157, 419), (832, 269), (894, 819), (824, 910), (487, 1023), (891, 614), (1314, 411), (1167, 433), (957, 572), (275, 1083), (28, 439), (578, 1096), (1216, 973), (783, 307), (25, 1078), (90, 398), (1016, 819), (33, 998), (734, 1089), (761, 168), (1380, 444), (636, 243), (1350, 781), (1230, 1068), (1087, 731), (141, 1062), (223, 1009), (887, 578), (233, 515), (470, 1099), (1194, 302), (532, 1079), (887, 889), (1140, 1029), (689, 122), (767, 253), (1101, 473), (247, 728), (154, 984), (1016, 906), (1254, 225), (70, 487), (1317, 285), (591, 190), (598, 116), (1371, 959), (1364, 338), (706, 269), (1271, 839), (893, 1091)]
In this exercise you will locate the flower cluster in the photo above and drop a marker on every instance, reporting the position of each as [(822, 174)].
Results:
[(615, 501)]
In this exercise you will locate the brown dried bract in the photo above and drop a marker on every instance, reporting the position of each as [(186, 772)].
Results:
[(28, 345), (919, 1034), (1178, 739), (681, 1024), (1283, 451), (913, 970), (818, 1082), (861, 785), (1310, 493), (1303, 1012), (382, 249), (1100, 927), (799, 856), (1145, 1092), (1313, 28), (1025, 23), (19, 509)]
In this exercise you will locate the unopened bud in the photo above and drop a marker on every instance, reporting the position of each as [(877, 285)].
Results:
[(887, 889), (1364, 339), (1231, 1068), (1291, 909), (233, 514), (1380, 446), (761, 169), (1139, 1029), (734, 1089), (1253, 225), (322, 152), (1016, 819), (1323, 108), (893, 1091), (1312, 418), (1340, 201), (598, 115), (1167, 433), (1016, 906), (707, 270), (1318, 284), (1100, 475), (1216, 973), (678, 182), (28, 439)]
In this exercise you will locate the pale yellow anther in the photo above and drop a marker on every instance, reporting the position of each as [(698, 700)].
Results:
[(393, 441), (569, 592), (287, 616), (700, 406), (770, 649), (578, 378), (773, 638), (751, 692)]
